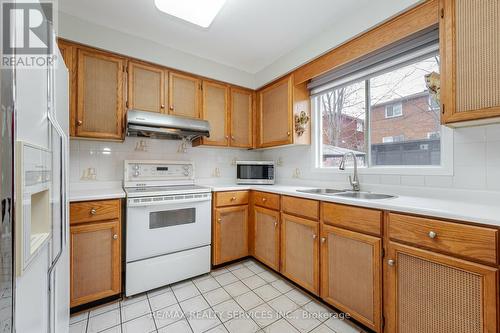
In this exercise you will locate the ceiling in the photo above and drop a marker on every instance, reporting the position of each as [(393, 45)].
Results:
[(247, 34)]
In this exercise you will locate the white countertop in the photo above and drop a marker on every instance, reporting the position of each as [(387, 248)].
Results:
[(442, 208), (467, 211), (95, 191)]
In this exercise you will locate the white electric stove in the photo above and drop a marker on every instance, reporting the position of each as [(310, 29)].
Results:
[(168, 224)]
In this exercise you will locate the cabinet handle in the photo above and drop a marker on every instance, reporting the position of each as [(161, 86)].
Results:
[(264, 199), (227, 137), (233, 198), (171, 108), (219, 220), (432, 234), (79, 123), (162, 106), (93, 211), (115, 237), (391, 262), (315, 236), (288, 133), (232, 137), (275, 224), (323, 240)]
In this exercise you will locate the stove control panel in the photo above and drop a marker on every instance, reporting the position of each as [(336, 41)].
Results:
[(136, 171)]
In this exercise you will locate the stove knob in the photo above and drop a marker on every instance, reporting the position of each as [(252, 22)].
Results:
[(136, 174)]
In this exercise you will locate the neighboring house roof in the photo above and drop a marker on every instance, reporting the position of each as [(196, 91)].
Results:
[(424, 93), (338, 151)]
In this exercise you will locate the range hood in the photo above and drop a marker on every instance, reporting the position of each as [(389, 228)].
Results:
[(163, 126)]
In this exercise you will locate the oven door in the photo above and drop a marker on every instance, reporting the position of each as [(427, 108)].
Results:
[(155, 229)]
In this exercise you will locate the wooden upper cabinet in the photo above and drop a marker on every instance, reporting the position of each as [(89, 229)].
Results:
[(68, 52), (275, 113), (230, 233), (267, 236), (351, 275), (300, 251), (146, 87), (429, 292), (100, 107), (215, 111), (95, 261), (470, 60), (184, 95), (241, 127)]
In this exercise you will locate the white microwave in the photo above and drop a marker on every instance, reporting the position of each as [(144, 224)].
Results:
[(255, 172)]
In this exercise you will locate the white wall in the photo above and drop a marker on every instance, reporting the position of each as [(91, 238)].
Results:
[(476, 166), (76, 29), (342, 30), (107, 158)]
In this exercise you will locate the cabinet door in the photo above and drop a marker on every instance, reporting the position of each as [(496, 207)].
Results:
[(429, 292), (100, 107), (95, 261), (267, 237), (351, 274), (215, 111), (68, 54), (276, 114), (241, 118), (184, 95), (146, 87), (231, 234), (470, 59), (300, 251)]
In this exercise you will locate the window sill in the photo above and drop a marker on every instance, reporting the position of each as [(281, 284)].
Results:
[(405, 171)]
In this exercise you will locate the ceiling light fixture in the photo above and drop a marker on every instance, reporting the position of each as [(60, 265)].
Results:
[(199, 12)]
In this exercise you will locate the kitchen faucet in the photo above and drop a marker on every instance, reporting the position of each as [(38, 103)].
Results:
[(354, 181)]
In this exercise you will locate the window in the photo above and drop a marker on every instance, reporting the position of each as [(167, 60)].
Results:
[(393, 110), (433, 103), (434, 135), (375, 104), (391, 139)]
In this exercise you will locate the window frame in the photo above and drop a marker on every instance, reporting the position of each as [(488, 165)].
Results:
[(445, 169), (400, 114)]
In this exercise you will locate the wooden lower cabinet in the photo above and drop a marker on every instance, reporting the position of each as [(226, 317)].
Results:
[(267, 236), (95, 261), (351, 274), (230, 234), (430, 292), (300, 251)]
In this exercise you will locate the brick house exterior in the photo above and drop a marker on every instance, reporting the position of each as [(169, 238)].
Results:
[(418, 119), (352, 135)]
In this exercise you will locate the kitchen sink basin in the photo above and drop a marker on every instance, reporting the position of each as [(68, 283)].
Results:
[(348, 194), (324, 191), (364, 195)]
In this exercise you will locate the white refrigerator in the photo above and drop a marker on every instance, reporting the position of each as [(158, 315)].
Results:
[(40, 268)]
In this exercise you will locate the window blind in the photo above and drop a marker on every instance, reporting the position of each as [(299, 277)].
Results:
[(416, 47)]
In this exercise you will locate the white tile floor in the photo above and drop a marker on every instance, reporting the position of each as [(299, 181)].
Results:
[(242, 298)]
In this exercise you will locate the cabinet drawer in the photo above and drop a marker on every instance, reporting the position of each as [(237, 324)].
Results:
[(90, 211), (232, 198), (300, 207), (354, 218), (463, 240), (268, 200)]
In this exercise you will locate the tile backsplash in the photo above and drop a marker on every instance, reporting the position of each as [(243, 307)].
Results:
[(103, 161), (476, 162)]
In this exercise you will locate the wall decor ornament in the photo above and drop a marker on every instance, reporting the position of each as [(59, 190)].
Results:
[(301, 121)]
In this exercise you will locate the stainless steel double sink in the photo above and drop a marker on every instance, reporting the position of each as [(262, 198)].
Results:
[(348, 194)]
